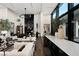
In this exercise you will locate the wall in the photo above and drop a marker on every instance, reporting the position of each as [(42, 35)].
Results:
[(77, 27), (41, 19), (36, 19), (3, 13), (45, 19), (13, 18), (6, 13)]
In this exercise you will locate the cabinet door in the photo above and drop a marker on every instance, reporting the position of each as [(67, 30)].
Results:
[(19, 30)]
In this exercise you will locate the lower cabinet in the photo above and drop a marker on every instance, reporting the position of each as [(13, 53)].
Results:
[(55, 51)]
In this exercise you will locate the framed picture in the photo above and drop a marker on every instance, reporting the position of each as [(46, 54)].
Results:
[(47, 28)]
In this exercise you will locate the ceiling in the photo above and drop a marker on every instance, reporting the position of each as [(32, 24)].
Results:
[(31, 8)]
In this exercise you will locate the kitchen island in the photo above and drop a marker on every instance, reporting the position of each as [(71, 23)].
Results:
[(61, 46)]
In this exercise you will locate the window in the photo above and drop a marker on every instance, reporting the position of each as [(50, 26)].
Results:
[(63, 8), (76, 13), (76, 4), (76, 27), (64, 19), (63, 22), (54, 15)]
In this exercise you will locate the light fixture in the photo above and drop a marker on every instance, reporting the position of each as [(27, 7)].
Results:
[(23, 15), (25, 10)]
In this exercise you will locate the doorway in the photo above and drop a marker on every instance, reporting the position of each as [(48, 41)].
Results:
[(29, 24)]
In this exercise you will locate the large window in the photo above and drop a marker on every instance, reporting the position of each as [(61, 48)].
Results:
[(64, 16), (63, 9), (76, 27), (76, 4), (63, 21), (54, 15)]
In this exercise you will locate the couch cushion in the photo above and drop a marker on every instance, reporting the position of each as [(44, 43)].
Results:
[(17, 45)]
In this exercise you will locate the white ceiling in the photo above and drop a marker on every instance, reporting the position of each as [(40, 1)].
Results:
[(31, 8)]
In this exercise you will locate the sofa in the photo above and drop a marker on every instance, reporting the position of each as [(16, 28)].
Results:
[(26, 51)]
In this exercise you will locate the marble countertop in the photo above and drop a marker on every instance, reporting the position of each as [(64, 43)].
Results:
[(69, 47)]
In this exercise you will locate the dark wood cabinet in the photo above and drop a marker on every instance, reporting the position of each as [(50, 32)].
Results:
[(19, 31), (55, 51)]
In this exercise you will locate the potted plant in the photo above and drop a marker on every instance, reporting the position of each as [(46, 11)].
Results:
[(4, 28), (5, 25)]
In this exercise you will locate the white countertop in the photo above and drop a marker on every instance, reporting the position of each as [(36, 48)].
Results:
[(69, 47)]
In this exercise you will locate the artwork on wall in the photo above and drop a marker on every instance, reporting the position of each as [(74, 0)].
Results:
[(47, 28)]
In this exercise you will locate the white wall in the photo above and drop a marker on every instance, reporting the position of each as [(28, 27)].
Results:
[(41, 19), (6, 13), (13, 18), (41, 24), (36, 20), (45, 19), (3, 13)]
